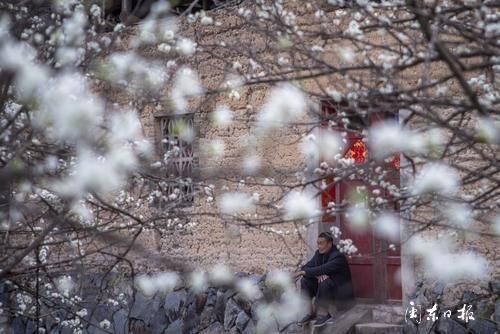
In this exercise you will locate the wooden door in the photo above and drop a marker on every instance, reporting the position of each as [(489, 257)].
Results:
[(375, 268)]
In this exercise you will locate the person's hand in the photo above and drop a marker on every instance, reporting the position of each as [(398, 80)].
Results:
[(322, 278), (298, 274)]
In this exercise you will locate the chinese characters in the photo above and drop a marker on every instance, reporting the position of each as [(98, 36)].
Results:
[(414, 313)]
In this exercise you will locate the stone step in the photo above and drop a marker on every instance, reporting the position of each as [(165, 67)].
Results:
[(345, 322), (378, 328)]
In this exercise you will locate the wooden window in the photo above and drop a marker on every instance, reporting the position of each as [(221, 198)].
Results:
[(176, 150)]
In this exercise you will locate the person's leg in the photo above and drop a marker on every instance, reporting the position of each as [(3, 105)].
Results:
[(344, 296), (309, 287), (324, 299), (325, 296)]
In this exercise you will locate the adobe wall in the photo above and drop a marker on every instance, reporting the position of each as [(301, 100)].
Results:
[(255, 250)]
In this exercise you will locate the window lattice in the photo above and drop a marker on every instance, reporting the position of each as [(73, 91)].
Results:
[(179, 156)]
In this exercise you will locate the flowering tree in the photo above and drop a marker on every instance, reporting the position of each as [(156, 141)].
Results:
[(78, 178)]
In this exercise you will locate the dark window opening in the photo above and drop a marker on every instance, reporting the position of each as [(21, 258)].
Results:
[(132, 11), (195, 6)]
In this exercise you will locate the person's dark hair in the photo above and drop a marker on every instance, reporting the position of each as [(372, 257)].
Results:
[(326, 235)]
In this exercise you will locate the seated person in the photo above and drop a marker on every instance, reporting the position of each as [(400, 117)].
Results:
[(328, 278)]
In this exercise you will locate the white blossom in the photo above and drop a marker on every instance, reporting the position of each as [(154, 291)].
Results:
[(105, 324), (68, 110), (166, 282), (69, 56), (289, 308), (300, 205), (215, 148), (95, 11), (74, 28), (164, 47), (4, 27), (285, 104), (159, 8), (160, 282), (438, 255), (222, 116), (30, 80), (134, 72), (235, 202), (185, 46), (488, 130), (146, 285), (386, 138), (65, 285), (198, 281), (206, 20), (336, 232), (495, 225), (82, 313), (248, 288), (335, 95), (358, 216), (65, 6), (323, 145), (124, 126), (458, 214), (220, 274), (386, 226), (97, 173), (82, 211), (438, 178), (346, 54), (279, 278), (336, 2), (346, 246), (186, 84), (251, 164), (353, 29), (19, 57)]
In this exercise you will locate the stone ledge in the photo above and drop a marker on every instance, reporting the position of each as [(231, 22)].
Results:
[(378, 328)]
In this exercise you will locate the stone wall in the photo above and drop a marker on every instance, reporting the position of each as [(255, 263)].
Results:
[(101, 305)]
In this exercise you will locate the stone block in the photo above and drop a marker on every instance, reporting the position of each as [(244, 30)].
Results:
[(496, 316), (231, 313), (120, 321), (494, 286), (242, 320), (449, 326), (214, 328), (173, 304), (482, 326), (175, 328), (378, 328)]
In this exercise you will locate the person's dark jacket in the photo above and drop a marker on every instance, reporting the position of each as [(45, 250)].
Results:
[(333, 264)]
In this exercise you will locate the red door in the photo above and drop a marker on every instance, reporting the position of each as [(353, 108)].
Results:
[(375, 267)]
